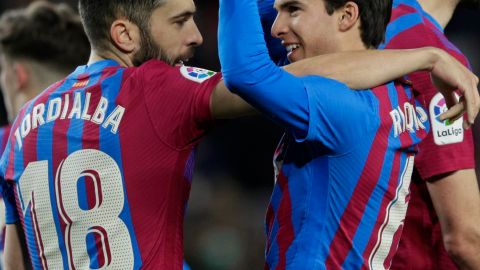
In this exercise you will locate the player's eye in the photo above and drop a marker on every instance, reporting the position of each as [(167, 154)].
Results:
[(293, 10), (181, 22)]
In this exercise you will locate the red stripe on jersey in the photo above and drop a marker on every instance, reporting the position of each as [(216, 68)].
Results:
[(286, 234), (342, 241)]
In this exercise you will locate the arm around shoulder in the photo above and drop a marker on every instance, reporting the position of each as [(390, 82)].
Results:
[(227, 105)]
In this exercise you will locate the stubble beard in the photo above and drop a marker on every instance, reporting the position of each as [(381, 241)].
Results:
[(150, 50)]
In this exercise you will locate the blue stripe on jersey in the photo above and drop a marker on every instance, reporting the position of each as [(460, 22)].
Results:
[(411, 3), (343, 170), (354, 260), (75, 135), (110, 143), (401, 24), (316, 207), (45, 152)]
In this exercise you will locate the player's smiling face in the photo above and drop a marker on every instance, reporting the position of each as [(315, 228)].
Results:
[(305, 28), (173, 33)]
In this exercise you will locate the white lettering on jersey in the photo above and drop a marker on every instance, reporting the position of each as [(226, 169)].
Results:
[(444, 132), (198, 75), (409, 118), (59, 108)]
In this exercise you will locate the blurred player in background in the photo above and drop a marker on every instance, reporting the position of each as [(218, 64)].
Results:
[(39, 46), (101, 161), (345, 163), (445, 199)]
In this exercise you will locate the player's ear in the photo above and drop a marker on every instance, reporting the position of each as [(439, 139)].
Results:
[(125, 35), (349, 15), (22, 75)]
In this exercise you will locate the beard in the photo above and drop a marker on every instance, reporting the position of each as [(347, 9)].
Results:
[(150, 50), (471, 4)]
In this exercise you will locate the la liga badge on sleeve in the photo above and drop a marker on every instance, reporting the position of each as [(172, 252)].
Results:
[(196, 74), (444, 132)]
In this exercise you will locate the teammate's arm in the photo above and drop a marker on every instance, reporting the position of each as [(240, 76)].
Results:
[(456, 198), (15, 254), (254, 68)]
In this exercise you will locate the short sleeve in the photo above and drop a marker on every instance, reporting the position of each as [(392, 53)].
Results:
[(178, 101), (339, 117), (447, 148)]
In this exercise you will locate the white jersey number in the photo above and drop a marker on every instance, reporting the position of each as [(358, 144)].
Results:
[(102, 220), (395, 217)]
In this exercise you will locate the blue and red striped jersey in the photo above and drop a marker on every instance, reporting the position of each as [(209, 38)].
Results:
[(343, 168), (4, 131), (102, 162), (341, 193), (421, 245)]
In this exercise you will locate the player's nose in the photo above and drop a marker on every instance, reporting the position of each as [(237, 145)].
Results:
[(195, 38), (279, 27)]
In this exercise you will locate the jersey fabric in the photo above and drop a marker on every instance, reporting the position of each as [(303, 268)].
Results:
[(341, 193), (102, 162), (342, 179), (4, 131), (421, 246)]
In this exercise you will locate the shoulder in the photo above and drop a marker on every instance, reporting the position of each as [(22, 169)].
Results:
[(157, 70)]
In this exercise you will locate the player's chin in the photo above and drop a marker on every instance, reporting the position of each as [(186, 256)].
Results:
[(185, 57)]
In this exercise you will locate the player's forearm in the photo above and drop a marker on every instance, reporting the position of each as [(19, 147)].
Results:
[(456, 199), (15, 254), (366, 69)]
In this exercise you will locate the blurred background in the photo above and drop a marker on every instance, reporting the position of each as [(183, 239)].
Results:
[(234, 173)]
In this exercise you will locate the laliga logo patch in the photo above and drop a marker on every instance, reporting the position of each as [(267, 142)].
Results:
[(444, 132), (196, 74)]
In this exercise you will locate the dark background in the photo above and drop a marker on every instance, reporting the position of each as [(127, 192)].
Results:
[(234, 173)]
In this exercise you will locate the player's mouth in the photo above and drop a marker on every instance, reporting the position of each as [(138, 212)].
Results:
[(291, 49)]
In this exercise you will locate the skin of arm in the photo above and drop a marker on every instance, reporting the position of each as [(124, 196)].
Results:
[(456, 198), (15, 254), (367, 69)]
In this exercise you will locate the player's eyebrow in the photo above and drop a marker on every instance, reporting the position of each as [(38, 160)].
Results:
[(286, 3), (185, 14)]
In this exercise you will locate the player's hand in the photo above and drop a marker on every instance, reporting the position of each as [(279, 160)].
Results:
[(449, 75)]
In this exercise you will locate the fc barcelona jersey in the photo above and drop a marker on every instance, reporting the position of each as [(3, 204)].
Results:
[(101, 165)]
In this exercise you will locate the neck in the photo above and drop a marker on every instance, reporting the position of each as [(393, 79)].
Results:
[(122, 59), (40, 78), (441, 10)]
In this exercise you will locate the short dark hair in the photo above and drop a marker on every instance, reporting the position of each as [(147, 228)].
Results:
[(98, 15), (374, 18), (48, 33)]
